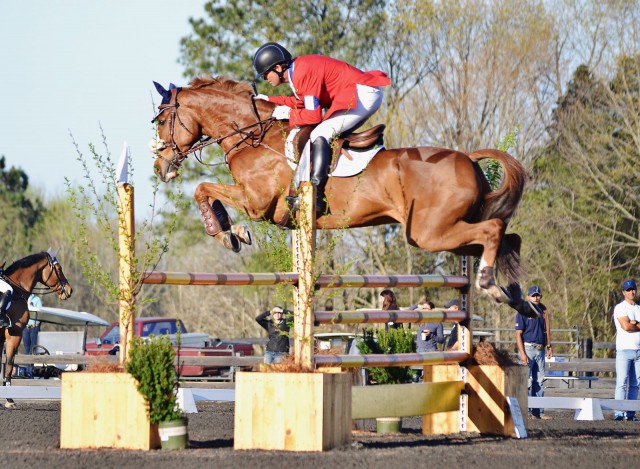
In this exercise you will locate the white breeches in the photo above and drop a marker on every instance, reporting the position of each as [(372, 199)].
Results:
[(5, 287)]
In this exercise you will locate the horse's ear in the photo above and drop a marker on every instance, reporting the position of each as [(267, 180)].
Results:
[(53, 253), (161, 89), (172, 86)]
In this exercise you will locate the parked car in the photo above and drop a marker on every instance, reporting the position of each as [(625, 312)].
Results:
[(191, 344)]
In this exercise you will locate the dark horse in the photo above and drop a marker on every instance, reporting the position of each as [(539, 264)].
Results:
[(23, 275), (440, 196)]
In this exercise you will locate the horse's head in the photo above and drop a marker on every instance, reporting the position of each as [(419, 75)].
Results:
[(53, 277), (176, 133), (221, 109)]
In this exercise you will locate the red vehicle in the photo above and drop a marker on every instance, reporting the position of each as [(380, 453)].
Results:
[(192, 344)]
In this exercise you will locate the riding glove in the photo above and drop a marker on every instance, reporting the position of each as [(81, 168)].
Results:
[(281, 112), (264, 97)]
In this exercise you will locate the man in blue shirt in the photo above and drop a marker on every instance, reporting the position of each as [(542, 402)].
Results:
[(533, 338)]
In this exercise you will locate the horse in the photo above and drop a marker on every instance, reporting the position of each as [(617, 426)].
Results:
[(23, 275), (441, 196)]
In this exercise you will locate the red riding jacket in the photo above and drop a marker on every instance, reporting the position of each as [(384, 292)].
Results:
[(321, 82)]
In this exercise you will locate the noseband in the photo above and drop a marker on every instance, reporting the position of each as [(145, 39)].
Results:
[(252, 138)]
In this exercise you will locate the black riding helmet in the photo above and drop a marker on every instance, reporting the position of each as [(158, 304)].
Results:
[(268, 56)]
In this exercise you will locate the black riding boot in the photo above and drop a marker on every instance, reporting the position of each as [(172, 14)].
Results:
[(4, 301), (320, 162)]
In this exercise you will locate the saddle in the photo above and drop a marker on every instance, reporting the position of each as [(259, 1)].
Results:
[(353, 140)]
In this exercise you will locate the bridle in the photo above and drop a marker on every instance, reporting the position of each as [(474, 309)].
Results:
[(61, 282), (250, 138)]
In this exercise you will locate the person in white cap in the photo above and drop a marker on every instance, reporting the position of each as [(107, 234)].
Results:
[(278, 328), (626, 316)]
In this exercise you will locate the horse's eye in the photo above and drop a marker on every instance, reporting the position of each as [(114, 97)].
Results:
[(159, 122)]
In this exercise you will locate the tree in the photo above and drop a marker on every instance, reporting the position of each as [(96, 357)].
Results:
[(586, 181), (20, 213), (223, 43)]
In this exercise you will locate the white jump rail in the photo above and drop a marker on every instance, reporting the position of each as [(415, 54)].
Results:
[(586, 408)]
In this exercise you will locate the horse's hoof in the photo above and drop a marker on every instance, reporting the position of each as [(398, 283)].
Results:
[(230, 241), (293, 202), (243, 233), (486, 279), (495, 292), (9, 404)]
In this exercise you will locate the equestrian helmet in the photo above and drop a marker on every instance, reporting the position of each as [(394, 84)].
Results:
[(268, 56)]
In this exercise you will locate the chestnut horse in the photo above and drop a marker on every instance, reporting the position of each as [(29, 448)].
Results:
[(440, 196), (23, 275)]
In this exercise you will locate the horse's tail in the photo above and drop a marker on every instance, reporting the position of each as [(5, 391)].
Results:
[(502, 204)]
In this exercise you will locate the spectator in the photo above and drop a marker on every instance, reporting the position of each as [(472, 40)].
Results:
[(430, 334), (389, 303), (533, 337), (30, 333), (626, 316), (278, 329), (452, 343)]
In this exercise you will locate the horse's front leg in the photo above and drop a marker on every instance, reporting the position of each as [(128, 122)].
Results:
[(217, 222)]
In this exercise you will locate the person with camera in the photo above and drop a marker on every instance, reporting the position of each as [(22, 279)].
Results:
[(430, 334), (277, 325)]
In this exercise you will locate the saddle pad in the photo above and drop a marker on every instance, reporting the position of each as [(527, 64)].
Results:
[(359, 160), (345, 167)]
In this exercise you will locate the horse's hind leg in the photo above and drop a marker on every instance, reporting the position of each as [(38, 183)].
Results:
[(487, 234)]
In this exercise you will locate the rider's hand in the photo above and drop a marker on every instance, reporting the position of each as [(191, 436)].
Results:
[(264, 97), (281, 112)]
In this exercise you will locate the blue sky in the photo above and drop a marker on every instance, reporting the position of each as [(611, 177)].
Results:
[(69, 66)]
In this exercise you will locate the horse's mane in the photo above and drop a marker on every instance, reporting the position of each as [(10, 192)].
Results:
[(221, 83), (25, 262)]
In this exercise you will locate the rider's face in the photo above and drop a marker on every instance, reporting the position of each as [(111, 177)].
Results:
[(272, 77)]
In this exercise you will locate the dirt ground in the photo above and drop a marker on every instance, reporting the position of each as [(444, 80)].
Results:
[(31, 438)]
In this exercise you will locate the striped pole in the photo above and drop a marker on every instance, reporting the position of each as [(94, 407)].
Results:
[(323, 281), (387, 360), (200, 278), (372, 316)]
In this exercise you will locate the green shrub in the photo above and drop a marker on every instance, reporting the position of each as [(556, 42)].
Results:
[(150, 362), (391, 341)]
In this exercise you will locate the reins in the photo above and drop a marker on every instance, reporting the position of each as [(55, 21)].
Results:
[(249, 138)]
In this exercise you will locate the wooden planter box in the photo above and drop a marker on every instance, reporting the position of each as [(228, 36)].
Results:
[(104, 410), (292, 411), (487, 410)]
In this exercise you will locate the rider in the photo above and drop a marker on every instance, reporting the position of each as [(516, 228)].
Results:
[(348, 95), (5, 301)]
